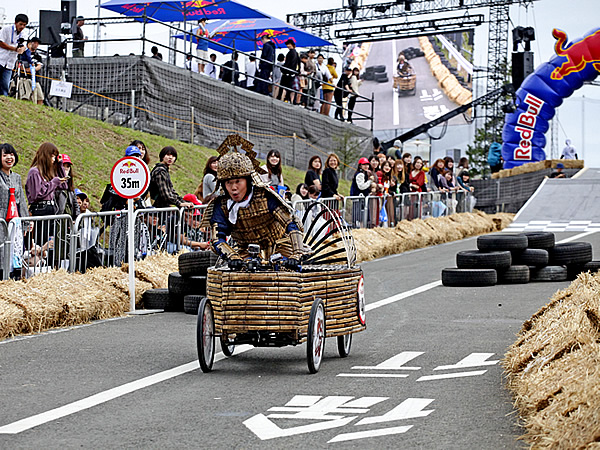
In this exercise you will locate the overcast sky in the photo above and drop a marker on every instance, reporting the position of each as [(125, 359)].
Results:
[(576, 17)]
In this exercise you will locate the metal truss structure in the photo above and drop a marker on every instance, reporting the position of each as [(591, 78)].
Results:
[(320, 23)]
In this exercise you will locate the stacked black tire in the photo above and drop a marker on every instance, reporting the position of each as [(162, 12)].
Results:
[(376, 73), (504, 258), (187, 287), (412, 52)]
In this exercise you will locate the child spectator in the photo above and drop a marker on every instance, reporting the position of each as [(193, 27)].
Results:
[(313, 174)]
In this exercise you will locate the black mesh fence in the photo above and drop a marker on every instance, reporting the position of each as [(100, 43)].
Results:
[(177, 103)]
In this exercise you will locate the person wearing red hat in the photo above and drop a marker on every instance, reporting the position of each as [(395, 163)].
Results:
[(65, 198), (191, 234), (361, 186)]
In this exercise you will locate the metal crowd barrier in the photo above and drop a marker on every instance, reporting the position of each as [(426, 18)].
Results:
[(33, 245)]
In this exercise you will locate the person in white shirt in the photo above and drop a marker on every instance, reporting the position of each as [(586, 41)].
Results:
[(250, 72), (211, 68), (569, 152), (189, 64), (323, 75), (12, 44)]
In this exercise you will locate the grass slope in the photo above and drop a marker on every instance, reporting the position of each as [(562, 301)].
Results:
[(94, 147)]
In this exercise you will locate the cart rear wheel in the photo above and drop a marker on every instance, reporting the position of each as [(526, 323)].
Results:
[(226, 347), (205, 335), (344, 343), (316, 336)]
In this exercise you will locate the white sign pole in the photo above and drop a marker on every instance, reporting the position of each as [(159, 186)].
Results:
[(130, 250)]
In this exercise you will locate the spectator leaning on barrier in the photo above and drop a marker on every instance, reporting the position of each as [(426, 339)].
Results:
[(161, 188), (313, 174), (301, 194), (65, 198), (206, 190), (82, 200), (192, 236), (11, 45), (417, 176), (9, 179), (330, 177), (362, 179)]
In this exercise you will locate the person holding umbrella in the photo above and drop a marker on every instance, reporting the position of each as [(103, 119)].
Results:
[(265, 66)]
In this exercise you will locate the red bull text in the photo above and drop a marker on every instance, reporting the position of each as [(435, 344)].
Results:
[(525, 127)]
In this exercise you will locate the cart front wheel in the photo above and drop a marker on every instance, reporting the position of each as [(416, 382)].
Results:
[(344, 343), (205, 335), (316, 336), (226, 346)]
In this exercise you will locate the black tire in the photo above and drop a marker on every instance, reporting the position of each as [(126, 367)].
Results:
[(196, 263), (514, 275), (549, 273), (540, 239), (156, 298), (502, 241), (570, 253), (226, 347), (573, 270), (469, 277), (205, 336), (382, 80), (474, 259), (180, 286), (536, 257), (379, 69), (315, 342), (369, 76), (191, 303), (344, 344), (381, 76)]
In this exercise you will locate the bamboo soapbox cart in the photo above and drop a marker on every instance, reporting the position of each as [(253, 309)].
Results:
[(274, 307), (406, 84)]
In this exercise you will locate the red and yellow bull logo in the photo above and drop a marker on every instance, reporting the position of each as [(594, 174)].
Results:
[(199, 3), (579, 54), (129, 167)]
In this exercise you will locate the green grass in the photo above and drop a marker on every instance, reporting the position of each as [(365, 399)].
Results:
[(95, 146)]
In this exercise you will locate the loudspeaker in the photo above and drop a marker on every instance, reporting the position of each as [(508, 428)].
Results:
[(50, 27), (522, 67), (68, 9)]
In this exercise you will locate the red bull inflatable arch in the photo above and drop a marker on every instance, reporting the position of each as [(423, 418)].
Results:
[(543, 91)]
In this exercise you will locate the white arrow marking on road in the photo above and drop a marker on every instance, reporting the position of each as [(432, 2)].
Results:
[(473, 360), (372, 375), (265, 429), (103, 397), (452, 375), (394, 363), (410, 408), (403, 295), (368, 434)]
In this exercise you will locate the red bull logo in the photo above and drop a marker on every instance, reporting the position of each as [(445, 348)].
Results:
[(129, 167), (199, 3), (526, 125), (579, 54)]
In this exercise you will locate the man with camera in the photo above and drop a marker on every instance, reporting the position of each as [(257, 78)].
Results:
[(11, 45)]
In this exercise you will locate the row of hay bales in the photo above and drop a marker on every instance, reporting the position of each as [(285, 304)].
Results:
[(447, 81), (553, 369), (539, 165), (60, 299)]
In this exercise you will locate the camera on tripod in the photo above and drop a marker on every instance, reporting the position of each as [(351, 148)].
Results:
[(20, 42)]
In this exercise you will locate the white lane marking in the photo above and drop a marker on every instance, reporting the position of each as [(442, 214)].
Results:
[(452, 375), (369, 434), (578, 174), (372, 375), (403, 295), (103, 397), (577, 236), (537, 191), (473, 360), (395, 362), (411, 408), (395, 98)]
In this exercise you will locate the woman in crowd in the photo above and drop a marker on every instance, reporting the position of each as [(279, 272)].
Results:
[(313, 174), (466, 203), (354, 84), (8, 180), (301, 194), (145, 156), (45, 176), (274, 176), (206, 190), (66, 200), (361, 186), (463, 164), (374, 165), (388, 186), (417, 176), (449, 162), (330, 178), (439, 166), (329, 88), (402, 186)]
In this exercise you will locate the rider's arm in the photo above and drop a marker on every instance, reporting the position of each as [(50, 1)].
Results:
[(223, 227), (282, 214)]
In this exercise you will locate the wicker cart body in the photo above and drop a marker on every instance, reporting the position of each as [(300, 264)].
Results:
[(406, 85), (272, 308)]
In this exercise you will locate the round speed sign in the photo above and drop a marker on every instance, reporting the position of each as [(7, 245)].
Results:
[(130, 177)]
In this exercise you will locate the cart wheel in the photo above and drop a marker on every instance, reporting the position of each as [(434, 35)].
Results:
[(315, 344), (226, 347), (205, 335), (344, 344)]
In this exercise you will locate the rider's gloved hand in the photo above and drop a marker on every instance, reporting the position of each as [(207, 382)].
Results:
[(235, 264), (292, 263)]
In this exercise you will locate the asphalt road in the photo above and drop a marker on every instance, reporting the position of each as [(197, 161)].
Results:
[(89, 386), (407, 111)]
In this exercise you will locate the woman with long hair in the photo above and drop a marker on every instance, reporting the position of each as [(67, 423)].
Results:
[(206, 190), (401, 186), (313, 174), (143, 150), (274, 175), (417, 176), (330, 177), (438, 167)]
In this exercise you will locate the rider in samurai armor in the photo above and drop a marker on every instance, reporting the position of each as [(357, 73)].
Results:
[(249, 211)]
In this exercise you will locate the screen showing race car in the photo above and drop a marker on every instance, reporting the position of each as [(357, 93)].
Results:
[(415, 80)]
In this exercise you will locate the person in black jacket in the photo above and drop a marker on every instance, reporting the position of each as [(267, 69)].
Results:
[(342, 91), (265, 68), (289, 78), (231, 76), (330, 178)]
